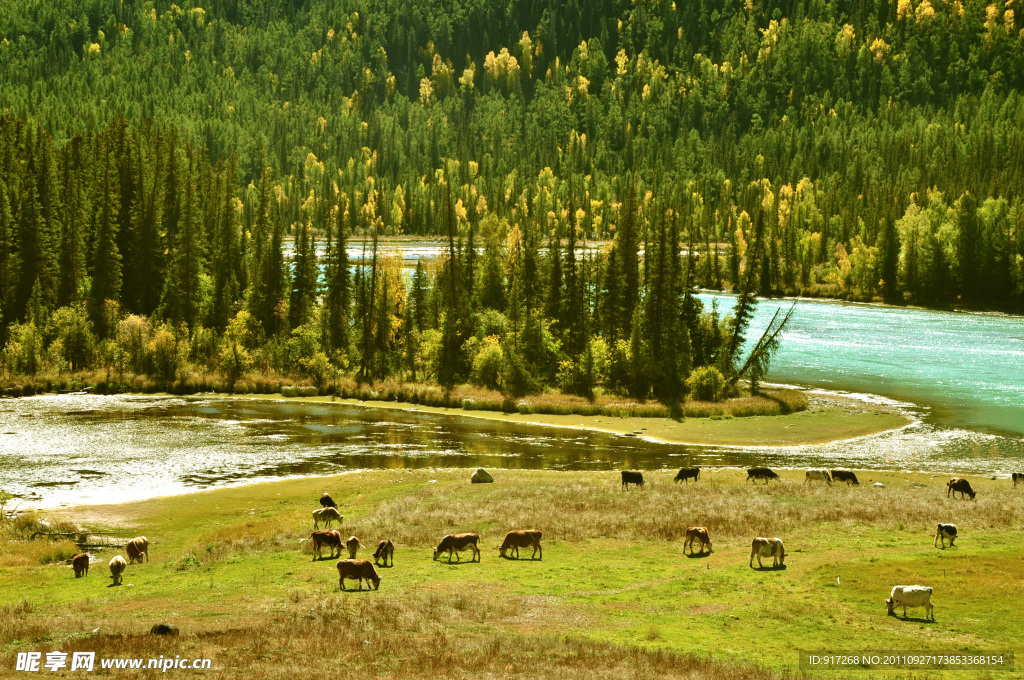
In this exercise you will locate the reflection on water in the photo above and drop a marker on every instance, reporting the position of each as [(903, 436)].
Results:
[(94, 449)]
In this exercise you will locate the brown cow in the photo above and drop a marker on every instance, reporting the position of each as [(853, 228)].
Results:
[(959, 484), (353, 545), (80, 563), (768, 547), (117, 567), (136, 548), (385, 549), (358, 569), (330, 538), (522, 538), (699, 533), (457, 543)]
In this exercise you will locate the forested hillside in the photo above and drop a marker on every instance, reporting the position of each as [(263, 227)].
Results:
[(154, 157)]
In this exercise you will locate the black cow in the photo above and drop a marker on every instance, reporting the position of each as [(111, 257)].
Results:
[(327, 502), (1017, 477), (632, 478), (959, 484), (761, 473), (844, 476), (687, 474)]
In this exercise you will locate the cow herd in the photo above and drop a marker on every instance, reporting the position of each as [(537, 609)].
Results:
[(901, 596), (453, 544), (363, 570), (137, 548)]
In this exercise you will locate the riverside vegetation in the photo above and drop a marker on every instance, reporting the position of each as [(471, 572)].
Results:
[(232, 569)]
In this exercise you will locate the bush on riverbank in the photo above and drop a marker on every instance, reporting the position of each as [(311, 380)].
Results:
[(467, 396), (27, 539)]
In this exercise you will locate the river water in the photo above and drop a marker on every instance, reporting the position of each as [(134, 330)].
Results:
[(959, 374)]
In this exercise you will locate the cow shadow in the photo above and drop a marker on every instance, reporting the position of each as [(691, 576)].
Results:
[(354, 590), (456, 563), (509, 558), (781, 567), (697, 555), (913, 619)]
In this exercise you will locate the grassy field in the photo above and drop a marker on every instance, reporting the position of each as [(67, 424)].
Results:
[(613, 597)]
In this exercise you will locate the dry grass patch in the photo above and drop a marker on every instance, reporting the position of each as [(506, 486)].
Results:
[(426, 635), (579, 506)]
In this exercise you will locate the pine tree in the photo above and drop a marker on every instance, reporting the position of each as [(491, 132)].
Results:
[(106, 259), (338, 294), (183, 295), (9, 261), (451, 342), (418, 296), (258, 293), (72, 258), (304, 279), (226, 262), (626, 241)]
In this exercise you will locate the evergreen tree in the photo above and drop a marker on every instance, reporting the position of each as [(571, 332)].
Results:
[(106, 259)]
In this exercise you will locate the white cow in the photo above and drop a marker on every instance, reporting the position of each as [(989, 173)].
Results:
[(910, 596), (943, 532), (326, 515), (818, 474), (767, 547)]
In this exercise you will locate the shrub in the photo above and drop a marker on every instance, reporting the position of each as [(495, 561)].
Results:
[(487, 363), (166, 355), (706, 384)]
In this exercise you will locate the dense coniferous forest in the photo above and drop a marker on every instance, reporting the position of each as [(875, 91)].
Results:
[(156, 159)]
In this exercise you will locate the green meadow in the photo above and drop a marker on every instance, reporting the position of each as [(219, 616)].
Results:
[(614, 595)]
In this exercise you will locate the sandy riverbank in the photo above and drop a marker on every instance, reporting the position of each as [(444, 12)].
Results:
[(828, 418)]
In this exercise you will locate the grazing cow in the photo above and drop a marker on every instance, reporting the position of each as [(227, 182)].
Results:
[(330, 538), (819, 475), (1017, 477), (358, 569), (687, 474), (117, 567), (961, 485), (632, 478), (943, 532), (699, 533), (136, 548), (327, 502), (457, 543), (521, 538), (768, 547), (761, 473), (845, 476), (385, 549), (910, 596), (326, 515), (353, 545), (80, 563)]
